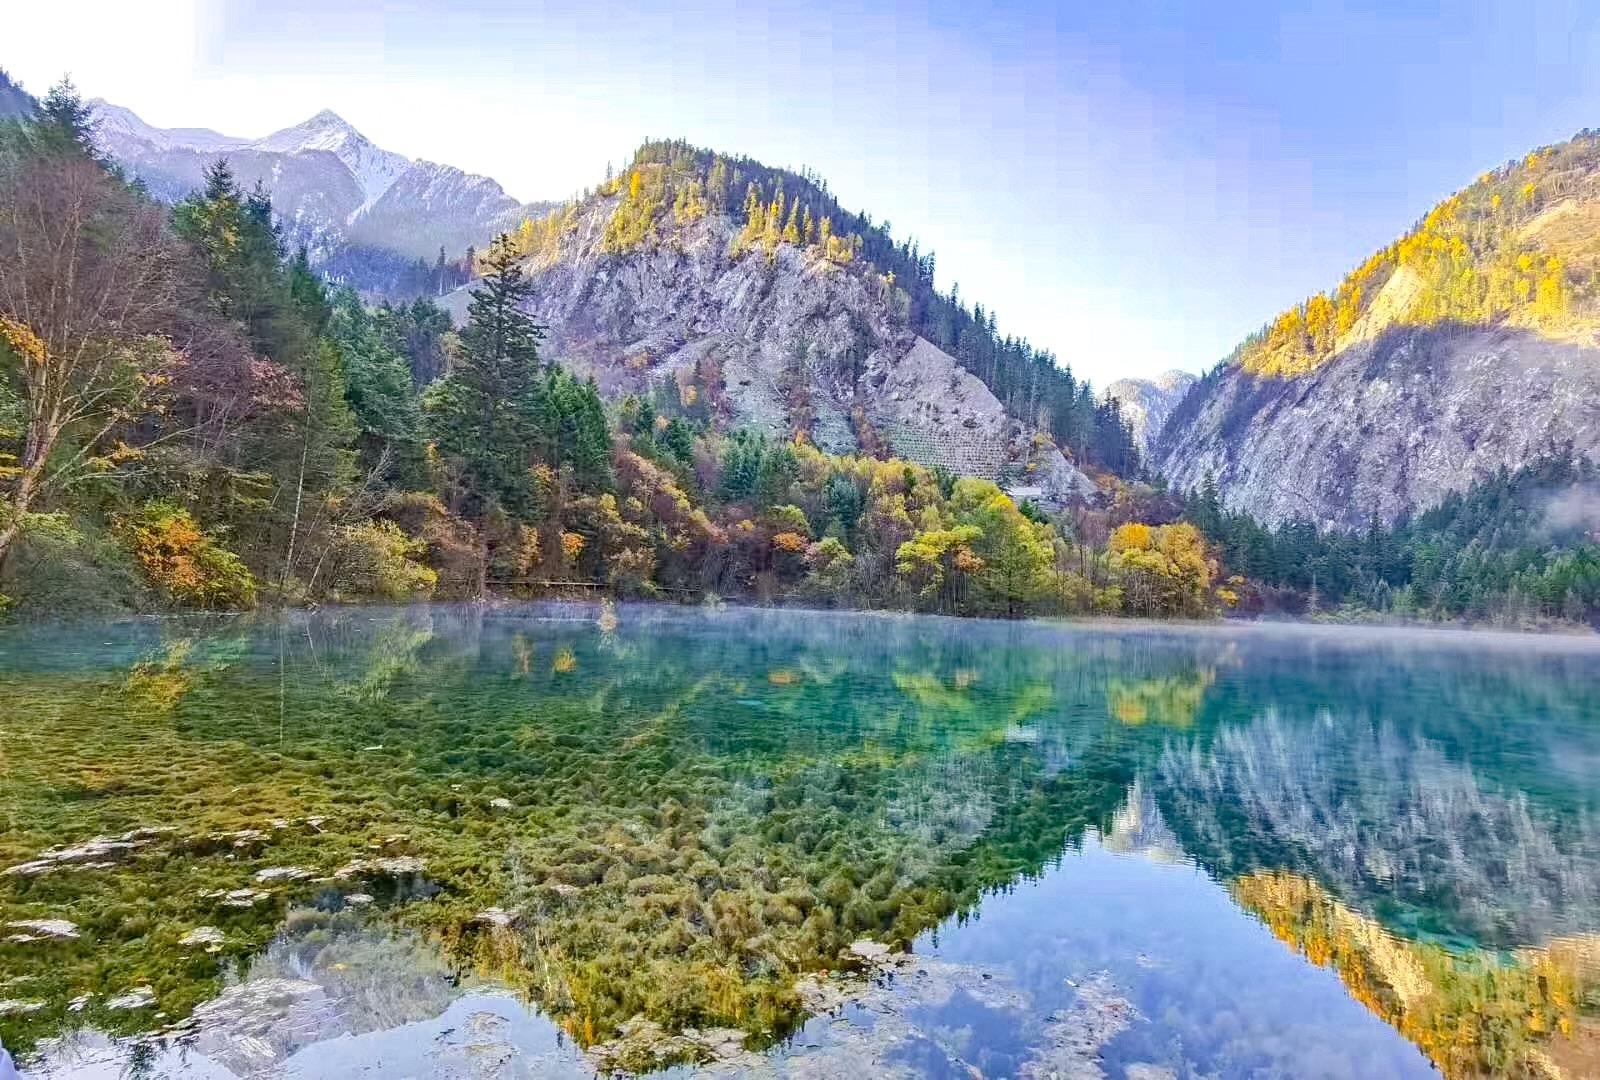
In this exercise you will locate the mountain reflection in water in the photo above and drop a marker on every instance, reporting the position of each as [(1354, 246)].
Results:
[(457, 839)]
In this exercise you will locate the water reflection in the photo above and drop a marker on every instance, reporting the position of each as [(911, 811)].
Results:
[(659, 833), (1473, 1014), (336, 996)]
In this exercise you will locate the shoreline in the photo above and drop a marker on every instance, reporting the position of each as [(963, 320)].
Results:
[(1323, 626)]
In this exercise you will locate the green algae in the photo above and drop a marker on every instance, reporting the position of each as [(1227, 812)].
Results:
[(668, 821), (677, 833)]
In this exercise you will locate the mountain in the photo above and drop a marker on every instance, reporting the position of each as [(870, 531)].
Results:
[(374, 170), (747, 295), (1146, 403), (337, 193), (14, 100), (1468, 345)]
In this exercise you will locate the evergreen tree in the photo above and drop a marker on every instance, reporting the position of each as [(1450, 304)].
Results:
[(378, 386), (572, 433), (419, 331), (500, 343), (1205, 509), (64, 124), (484, 415), (677, 440)]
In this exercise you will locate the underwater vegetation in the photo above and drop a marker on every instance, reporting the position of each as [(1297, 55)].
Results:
[(615, 824), (654, 819)]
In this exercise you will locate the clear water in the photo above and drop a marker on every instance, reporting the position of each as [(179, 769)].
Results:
[(508, 841)]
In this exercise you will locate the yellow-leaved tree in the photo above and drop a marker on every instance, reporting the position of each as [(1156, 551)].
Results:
[(1164, 570)]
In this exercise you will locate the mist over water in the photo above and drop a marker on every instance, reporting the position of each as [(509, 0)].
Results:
[(439, 836)]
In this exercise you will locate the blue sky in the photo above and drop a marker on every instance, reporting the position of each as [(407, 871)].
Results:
[(1134, 185)]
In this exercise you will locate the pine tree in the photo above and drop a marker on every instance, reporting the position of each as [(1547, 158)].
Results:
[(717, 184), (484, 414), (501, 340), (753, 215), (1205, 509), (571, 432), (64, 124)]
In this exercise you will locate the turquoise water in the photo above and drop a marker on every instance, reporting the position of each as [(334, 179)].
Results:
[(515, 841)]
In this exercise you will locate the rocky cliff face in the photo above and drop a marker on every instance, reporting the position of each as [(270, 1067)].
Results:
[(1390, 425), (333, 188), (794, 342), (1146, 403), (1471, 343)]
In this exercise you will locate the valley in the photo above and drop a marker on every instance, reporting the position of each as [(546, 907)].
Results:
[(730, 316), (666, 631)]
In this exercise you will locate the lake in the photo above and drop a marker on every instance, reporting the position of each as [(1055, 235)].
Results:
[(522, 841)]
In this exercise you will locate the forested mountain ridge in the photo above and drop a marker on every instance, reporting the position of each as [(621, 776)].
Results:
[(1467, 346), (751, 289), (365, 215), (190, 417), (822, 336)]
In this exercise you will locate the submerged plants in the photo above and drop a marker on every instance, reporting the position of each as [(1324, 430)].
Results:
[(664, 825)]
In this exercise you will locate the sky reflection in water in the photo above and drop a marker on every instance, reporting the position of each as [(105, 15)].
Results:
[(1218, 851)]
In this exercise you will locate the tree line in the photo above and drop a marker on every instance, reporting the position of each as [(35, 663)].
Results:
[(1520, 547), (191, 417)]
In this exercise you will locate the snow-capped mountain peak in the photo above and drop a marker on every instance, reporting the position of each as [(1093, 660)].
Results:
[(115, 124), (374, 169), (325, 131), (332, 188)]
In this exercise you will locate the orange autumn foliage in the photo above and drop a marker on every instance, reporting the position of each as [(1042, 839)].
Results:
[(183, 561)]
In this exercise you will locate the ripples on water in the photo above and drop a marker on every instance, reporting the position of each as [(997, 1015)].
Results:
[(504, 841)]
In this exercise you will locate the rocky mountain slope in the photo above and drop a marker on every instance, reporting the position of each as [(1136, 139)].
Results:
[(333, 188), (746, 291), (769, 320), (1392, 425), (1469, 344), (1146, 403)]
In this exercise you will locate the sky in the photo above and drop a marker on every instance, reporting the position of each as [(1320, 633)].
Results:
[(1133, 185)]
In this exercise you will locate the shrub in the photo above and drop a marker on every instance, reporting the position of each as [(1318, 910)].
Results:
[(454, 548), (185, 562), (58, 570), (376, 560)]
